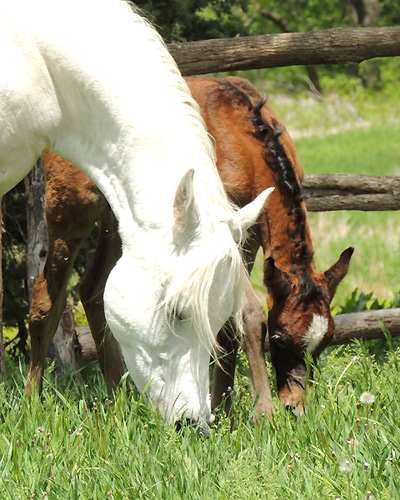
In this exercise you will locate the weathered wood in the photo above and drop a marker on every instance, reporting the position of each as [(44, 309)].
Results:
[(85, 343), (331, 46), (351, 192), (366, 325), (36, 248), (62, 347)]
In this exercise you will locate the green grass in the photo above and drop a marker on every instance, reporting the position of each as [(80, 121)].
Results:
[(75, 443)]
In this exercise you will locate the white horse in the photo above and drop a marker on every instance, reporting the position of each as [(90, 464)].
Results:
[(91, 81)]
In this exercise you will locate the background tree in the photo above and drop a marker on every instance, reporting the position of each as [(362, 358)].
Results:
[(188, 20), (272, 16), (2, 352)]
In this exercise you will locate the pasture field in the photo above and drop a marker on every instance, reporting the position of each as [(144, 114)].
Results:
[(74, 442)]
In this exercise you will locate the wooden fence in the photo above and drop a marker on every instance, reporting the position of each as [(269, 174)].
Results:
[(351, 192)]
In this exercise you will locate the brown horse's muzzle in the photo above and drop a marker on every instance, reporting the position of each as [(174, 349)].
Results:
[(291, 376)]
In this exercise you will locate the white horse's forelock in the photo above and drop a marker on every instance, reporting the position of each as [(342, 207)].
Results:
[(193, 279)]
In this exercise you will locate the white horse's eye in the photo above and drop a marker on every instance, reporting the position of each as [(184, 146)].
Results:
[(176, 315), (179, 316)]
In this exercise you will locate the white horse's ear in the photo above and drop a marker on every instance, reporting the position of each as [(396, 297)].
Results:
[(244, 218), (185, 215)]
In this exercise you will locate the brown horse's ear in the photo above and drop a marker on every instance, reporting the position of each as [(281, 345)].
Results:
[(275, 280), (338, 271)]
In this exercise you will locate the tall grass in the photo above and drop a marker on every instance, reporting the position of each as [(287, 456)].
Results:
[(76, 443)]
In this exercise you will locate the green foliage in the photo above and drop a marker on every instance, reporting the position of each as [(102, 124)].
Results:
[(299, 15), (185, 20), (306, 15), (15, 304), (360, 301), (389, 13)]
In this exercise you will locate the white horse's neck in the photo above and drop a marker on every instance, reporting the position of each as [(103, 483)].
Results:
[(123, 117)]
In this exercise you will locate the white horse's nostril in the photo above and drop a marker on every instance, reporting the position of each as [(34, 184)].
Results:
[(203, 427)]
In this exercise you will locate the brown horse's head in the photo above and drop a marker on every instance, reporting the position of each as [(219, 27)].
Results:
[(299, 320)]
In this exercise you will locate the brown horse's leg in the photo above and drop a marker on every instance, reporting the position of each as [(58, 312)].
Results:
[(255, 329), (224, 369), (49, 298), (73, 204), (254, 323), (108, 251)]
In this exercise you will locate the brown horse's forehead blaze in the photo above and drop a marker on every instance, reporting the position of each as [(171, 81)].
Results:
[(303, 319)]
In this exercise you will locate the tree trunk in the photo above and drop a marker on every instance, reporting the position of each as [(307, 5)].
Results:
[(366, 13), (284, 26), (37, 243), (2, 351), (331, 46)]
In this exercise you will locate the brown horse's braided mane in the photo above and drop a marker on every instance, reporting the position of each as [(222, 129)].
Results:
[(286, 180)]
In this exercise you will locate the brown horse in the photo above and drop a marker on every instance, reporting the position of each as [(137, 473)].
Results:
[(254, 151)]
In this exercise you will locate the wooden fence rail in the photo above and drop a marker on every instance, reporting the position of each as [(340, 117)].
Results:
[(331, 46), (351, 192), (365, 325)]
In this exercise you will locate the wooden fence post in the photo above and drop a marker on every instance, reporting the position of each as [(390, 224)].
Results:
[(331, 46)]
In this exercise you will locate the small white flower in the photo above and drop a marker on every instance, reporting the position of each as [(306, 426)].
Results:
[(366, 465), (346, 466), (367, 398)]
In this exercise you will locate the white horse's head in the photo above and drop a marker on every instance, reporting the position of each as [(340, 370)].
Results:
[(167, 325)]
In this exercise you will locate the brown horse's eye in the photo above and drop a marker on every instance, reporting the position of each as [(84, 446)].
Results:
[(279, 340)]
